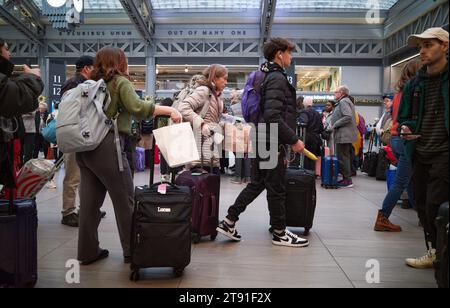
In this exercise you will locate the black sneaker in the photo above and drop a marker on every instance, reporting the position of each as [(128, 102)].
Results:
[(287, 238), (70, 220), (229, 231)]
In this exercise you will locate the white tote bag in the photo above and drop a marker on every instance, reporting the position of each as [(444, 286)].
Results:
[(177, 144)]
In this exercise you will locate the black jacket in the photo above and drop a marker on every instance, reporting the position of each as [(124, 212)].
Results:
[(279, 103), (18, 95), (72, 83), (314, 128)]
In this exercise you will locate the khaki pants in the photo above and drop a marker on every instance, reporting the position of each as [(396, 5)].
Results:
[(71, 183)]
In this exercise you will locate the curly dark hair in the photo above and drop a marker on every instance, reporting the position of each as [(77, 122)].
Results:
[(274, 45)]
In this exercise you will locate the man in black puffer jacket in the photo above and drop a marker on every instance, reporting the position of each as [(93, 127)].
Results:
[(278, 106), (18, 95)]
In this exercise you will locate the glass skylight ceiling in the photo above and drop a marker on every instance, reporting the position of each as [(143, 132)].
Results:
[(208, 5), (96, 5), (334, 4), (205, 4)]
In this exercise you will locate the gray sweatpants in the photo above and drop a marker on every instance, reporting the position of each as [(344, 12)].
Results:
[(100, 174)]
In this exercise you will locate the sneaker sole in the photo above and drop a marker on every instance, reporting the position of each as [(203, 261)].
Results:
[(349, 186), (386, 230), (227, 234), (419, 267), (285, 244)]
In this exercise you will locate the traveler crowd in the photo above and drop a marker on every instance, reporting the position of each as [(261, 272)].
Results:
[(414, 125)]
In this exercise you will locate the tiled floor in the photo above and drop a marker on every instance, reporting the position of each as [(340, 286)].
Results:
[(342, 241)]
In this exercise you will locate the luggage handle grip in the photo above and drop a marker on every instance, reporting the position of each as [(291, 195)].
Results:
[(167, 183)]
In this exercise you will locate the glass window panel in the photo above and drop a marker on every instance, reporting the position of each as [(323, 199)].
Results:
[(333, 4)]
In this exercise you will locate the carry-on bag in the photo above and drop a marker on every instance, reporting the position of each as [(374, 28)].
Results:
[(300, 193)]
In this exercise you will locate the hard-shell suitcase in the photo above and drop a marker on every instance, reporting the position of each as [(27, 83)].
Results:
[(330, 168), (300, 193), (18, 240), (205, 187), (18, 243), (161, 227)]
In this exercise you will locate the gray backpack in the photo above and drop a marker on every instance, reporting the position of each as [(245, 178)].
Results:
[(82, 124)]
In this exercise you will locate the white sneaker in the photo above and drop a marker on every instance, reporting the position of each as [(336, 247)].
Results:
[(51, 184), (287, 238), (425, 261)]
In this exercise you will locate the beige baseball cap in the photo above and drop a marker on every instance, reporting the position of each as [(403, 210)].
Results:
[(431, 33)]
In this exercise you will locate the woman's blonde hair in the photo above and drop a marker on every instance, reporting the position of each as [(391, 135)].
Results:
[(212, 72)]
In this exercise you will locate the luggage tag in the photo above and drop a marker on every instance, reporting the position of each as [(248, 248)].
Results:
[(162, 189)]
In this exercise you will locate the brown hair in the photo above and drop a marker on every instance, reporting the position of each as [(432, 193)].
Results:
[(272, 46), (109, 63), (408, 72), (210, 73)]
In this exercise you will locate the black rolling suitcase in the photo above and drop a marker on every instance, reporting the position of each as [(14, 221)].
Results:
[(300, 193), (18, 243), (161, 227), (441, 263), (370, 160), (382, 166)]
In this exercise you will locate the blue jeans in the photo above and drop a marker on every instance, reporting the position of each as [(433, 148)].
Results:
[(402, 178)]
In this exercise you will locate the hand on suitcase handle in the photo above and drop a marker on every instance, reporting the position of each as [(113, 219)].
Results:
[(298, 147)]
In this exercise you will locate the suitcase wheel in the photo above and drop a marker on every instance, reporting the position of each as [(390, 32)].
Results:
[(306, 232), (196, 238), (178, 272), (213, 237), (134, 276)]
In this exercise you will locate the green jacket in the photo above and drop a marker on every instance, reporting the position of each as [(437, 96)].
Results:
[(405, 109), (123, 96)]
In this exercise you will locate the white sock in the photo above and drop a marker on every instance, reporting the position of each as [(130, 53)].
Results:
[(229, 222)]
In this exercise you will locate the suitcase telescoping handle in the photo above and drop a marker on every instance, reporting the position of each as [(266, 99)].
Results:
[(301, 127), (201, 151), (11, 189), (152, 151)]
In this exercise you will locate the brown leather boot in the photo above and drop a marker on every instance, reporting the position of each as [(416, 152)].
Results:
[(383, 224)]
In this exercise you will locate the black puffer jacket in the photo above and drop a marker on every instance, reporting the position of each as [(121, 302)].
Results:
[(279, 103), (18, 95)]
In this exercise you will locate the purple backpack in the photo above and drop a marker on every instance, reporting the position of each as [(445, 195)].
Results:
[(251, 97), (362, 125)]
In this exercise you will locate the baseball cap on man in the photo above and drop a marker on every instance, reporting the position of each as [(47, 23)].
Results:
[(390, 96), (431, 33), (84, 61)]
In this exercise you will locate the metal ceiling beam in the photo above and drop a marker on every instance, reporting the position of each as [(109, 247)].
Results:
[(268, 13), (25, 17), (139, 12), (398, 41)]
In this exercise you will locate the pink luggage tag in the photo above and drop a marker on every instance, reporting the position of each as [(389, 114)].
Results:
[(162, 189)]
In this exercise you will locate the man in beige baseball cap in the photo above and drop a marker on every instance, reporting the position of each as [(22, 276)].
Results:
[(423, 117), (431, 33)]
